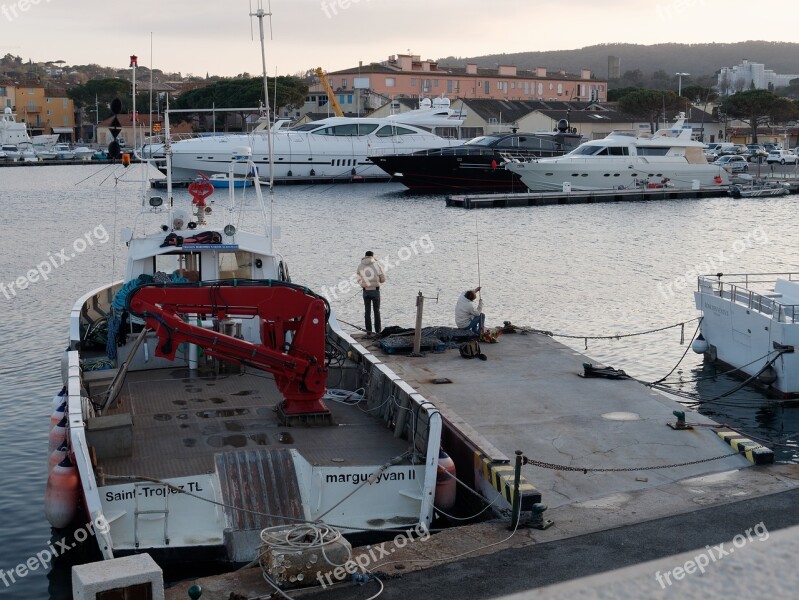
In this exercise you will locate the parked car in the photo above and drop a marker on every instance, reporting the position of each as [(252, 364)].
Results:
[(755, 152), (782, 157), (741, 149), (769, 146), (732, 163)]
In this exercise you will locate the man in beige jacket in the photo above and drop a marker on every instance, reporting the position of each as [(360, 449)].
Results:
[(370, 276)]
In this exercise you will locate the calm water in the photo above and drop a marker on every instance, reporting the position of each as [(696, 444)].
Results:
[(582, 270)]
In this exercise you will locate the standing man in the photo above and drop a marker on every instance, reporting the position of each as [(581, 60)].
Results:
[(370, 275), (466, 315)]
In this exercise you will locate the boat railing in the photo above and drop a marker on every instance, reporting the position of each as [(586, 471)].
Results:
[(738, 290)]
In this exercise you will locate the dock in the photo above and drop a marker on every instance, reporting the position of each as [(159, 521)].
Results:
[(616, 473), (548, 198)]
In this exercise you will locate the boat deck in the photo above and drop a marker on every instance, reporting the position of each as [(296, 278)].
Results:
[(182, 419)]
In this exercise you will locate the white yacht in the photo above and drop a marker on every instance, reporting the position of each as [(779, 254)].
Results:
[(626, 160), (63, 152), (11, 151), (751, 322), (83, 153), (13, 132), (332, 148)]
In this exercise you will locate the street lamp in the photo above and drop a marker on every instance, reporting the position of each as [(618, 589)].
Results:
[(679, 85)]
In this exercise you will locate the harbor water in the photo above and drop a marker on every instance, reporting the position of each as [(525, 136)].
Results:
[(588, 270)]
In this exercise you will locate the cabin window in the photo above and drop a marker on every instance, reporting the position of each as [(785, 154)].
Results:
[(392, 130), (235, 265), (618, 151), (588, 150), (182, 264), (653, 151)]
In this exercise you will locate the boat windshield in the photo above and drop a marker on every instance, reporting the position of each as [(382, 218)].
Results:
[(588, 150), (483, 140)]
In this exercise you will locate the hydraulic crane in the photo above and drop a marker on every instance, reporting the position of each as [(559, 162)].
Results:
[(292, 323)]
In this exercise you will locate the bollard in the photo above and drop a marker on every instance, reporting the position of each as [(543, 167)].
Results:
[(195, 592), (417, 334), (517, 501), (680, 424)]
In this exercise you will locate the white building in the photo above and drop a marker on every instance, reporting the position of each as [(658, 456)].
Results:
[(741, 77)]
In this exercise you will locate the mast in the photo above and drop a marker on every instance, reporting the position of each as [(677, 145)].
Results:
[(260, 14)]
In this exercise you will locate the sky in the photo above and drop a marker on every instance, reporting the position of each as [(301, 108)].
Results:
[(214, 36)]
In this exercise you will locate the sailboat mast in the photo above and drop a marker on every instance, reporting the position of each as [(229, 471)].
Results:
[(260, 14)]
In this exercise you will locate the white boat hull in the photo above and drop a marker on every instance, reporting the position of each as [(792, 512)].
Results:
[(609, 173), (743, 332), (297, 155)]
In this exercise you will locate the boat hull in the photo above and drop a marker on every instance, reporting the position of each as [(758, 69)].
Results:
[(741, 334), (583, 175)]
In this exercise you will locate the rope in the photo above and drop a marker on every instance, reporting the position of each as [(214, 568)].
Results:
[(611, 337), (556, 467)]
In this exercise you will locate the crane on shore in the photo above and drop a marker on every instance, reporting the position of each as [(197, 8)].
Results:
[(330, 94)]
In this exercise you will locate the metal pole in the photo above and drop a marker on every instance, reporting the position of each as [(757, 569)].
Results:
[(417, 334), (517, 501)]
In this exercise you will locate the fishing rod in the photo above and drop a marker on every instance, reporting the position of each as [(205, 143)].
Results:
[(477, 233)]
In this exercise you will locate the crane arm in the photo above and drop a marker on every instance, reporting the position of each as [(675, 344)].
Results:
[(330, 93)]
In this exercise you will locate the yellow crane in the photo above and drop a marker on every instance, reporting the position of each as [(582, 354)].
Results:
[(330, 94)]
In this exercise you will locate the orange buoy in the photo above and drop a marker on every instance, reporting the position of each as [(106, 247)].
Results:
[(57, 455), (446, 486), (58, 414), (57, 435), (718, 179), (61, 495), (126, 160)]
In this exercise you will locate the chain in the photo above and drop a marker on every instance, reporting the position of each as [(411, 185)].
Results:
[(546, 465), (606, 337)]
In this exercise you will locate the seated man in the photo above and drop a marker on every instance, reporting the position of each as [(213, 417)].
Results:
[(466, 315)]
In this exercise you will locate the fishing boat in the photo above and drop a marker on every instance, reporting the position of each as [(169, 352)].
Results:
[(750, 321), (749, 187), (196, 395), (626, 160)]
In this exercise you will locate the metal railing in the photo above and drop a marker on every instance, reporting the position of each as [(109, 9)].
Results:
[(737, 290)]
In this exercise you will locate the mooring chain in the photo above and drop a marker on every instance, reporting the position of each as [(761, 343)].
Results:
[(546, 465)]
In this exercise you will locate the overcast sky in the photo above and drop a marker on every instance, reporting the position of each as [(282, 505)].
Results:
[(199, 36)]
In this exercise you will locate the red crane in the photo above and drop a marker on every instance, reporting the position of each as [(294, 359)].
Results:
[(292, 326)]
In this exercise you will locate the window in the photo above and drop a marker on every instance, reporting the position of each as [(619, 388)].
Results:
[(413, 81), (449, 86), (390, 82), (540, 89), (487, 87), (235, 265), (619, 151), (348, 129), (341, 99), (349, 98), (392, 130), (560, 89), (513, 85), (344, 83), (551, 86), (3, 91), (653, 151), (182, 264)]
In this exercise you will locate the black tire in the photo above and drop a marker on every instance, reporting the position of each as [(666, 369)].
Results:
[(782, 162)]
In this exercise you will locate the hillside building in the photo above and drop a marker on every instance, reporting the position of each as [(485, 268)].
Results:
[(750, 75)]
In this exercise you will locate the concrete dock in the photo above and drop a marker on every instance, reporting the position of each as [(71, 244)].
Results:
[(528, 395)]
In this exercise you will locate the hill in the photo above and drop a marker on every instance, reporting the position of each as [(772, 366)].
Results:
[(701, 60)]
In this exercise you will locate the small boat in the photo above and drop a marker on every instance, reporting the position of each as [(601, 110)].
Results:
[(750, 321), (63, 152), (11, 151), (748, 187), (46, 154), (83, 153), (100, 155), (221, 181)]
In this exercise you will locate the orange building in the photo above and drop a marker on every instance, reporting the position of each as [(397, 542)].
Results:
[(45, 110)]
